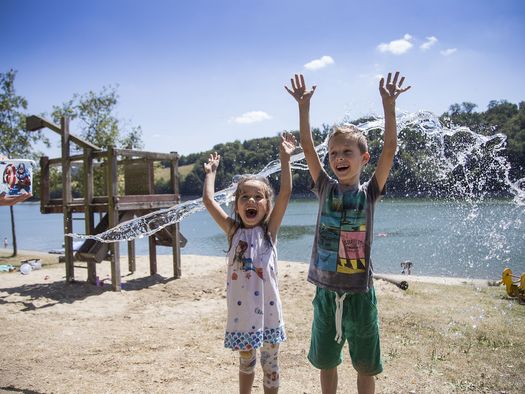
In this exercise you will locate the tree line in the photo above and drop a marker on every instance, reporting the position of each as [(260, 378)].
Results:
[(416, 171)]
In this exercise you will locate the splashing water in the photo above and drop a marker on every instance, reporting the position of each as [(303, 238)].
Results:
[(149, 224), (452, 152)]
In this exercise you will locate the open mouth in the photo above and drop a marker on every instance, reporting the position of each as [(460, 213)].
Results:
[(342, 167), (251, 213)]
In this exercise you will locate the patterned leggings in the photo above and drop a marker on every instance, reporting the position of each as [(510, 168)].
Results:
[(269, 363)]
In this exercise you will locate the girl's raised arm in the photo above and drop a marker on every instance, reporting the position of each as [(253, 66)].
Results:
[(213, 207), (286, 148)]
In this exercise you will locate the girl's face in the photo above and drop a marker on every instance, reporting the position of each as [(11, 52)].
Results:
[(252, 203)]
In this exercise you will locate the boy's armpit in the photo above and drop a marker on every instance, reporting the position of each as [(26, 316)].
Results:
[(373, 189), (320, 183)]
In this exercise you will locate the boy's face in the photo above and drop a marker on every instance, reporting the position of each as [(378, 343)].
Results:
[(346, 160)]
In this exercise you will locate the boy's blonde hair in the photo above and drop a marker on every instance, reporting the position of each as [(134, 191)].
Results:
[(353, 133)]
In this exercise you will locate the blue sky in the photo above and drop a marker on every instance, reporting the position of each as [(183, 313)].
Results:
[(196, 73)]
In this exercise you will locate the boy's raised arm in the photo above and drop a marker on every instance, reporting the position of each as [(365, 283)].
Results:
[(213, 207), (389, 94), (303, 96), (286, 148)]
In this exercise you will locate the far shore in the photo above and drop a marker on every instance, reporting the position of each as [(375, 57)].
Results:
[(49, 258)]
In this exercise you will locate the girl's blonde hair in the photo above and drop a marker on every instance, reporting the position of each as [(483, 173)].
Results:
[(353, 133), (268, 194)]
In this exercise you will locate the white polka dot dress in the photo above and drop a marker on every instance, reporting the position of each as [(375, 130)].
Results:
[(254, 306)]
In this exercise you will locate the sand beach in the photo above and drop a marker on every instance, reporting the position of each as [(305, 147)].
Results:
[(159, 335)]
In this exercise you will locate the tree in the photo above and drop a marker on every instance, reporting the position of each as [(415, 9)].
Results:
[(509, 119), (15, 141), (98, 122), (464, 115), (93, 113)]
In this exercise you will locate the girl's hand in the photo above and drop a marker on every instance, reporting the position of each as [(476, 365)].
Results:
[(392, 90), (299, 91), (287, 146), (212, 164)]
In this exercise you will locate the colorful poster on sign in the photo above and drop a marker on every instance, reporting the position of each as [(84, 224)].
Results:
[(17, 176)]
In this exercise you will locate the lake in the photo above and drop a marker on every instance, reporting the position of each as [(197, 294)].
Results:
[(440, 238)]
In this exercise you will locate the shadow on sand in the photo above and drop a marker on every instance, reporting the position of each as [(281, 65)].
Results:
[(11, 389), (45, 295)]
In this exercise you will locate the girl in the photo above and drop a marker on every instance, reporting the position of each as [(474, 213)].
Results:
[(254, 307)]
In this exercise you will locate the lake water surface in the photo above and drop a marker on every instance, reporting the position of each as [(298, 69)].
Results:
[(440, 238)]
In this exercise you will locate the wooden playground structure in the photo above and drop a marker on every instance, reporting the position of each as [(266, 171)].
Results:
[(136, 170)]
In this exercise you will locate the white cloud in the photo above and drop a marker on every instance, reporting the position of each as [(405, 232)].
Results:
[(397, 47), (429, 43), (448, 52), (319, 63), (251, 117)]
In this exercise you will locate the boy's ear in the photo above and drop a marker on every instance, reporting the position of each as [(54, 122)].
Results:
[(366, 158)]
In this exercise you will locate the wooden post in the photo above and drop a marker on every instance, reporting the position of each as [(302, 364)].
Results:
[(89, 219), (152, 242), (152, 255), (66, 200), (151, 176), (132, 265), (112, 182), (176, 250), (174, 177), (44, 183)]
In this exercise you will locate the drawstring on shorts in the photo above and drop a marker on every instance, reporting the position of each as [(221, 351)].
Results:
[(339, 299)]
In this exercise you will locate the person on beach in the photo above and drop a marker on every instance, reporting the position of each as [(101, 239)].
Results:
[(345, 307), (255, 319)]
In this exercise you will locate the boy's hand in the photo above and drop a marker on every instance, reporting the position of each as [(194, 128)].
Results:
[(287, 146), (299, 92), (392, 90), (213, 163)]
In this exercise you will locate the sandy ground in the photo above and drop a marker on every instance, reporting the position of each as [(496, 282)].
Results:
[(166, 336)]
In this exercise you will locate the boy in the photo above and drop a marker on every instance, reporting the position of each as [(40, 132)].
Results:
[(345, 304)]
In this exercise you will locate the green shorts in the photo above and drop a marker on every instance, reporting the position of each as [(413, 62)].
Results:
[(359, 326)]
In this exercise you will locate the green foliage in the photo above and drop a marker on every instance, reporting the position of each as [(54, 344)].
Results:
[(163, 186), (93, 113), (16, 142), (500, 117), (97, 122), (415, 171)]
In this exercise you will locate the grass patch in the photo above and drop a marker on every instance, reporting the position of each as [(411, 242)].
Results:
[(164, 173), (185, 170), (469, 338)]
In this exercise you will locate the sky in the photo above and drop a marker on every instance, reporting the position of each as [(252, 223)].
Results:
[(197, 73)]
